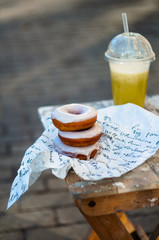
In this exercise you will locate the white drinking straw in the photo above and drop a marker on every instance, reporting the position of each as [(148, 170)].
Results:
[(125, 23)]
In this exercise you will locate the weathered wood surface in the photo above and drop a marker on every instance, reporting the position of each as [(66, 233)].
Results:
[(80, 188), (138, 188), (139, 179), (144, 177), (153, 162), (120, 202)]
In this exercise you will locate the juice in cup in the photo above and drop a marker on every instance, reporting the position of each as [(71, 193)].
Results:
[(129, 56), (129, 82)]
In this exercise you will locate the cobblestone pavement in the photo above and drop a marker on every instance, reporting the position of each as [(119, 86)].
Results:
[(52, 52)]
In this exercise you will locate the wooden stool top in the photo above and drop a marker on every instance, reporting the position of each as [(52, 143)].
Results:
[(138, 188)]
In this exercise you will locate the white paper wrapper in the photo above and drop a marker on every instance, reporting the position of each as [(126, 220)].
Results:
[(130, 136)]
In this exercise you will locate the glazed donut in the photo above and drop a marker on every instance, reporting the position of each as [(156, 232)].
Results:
[(83, 153), (81, 138), (73, 117)]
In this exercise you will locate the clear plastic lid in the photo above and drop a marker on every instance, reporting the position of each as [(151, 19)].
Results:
[(129, 47)]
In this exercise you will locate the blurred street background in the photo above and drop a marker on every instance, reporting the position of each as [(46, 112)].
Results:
[(52, 52)]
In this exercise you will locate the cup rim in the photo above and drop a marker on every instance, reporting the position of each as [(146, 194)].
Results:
[(147, 59)]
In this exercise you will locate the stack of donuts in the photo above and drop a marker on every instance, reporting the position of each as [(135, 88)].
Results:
[(78, 131)]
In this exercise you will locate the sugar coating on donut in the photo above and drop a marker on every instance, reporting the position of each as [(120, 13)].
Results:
[(60, 147), (73, 113), (87, 133)]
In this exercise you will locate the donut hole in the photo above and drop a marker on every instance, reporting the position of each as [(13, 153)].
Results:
[(77, 110), (74, 112)]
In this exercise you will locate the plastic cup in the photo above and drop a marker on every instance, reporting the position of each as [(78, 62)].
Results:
[(129, 56)]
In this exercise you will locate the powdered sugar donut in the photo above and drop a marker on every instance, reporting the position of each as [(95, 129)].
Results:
[(73, 117), (81, 138), (83, 153)]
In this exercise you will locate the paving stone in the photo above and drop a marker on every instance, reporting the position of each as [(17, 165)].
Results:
[(12, 236), (5, 173), (21, 132), (69, 215), (38, 186), (5, 188), (74, 232), (56, 184), (26, 219), (3, 149), (21, 146), (11, 160), (33, 201), (4, 202)]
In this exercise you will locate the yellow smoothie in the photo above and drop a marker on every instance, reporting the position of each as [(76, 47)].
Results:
[(129, 87)]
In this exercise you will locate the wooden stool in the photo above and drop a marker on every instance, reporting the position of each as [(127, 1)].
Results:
[(103, 202)]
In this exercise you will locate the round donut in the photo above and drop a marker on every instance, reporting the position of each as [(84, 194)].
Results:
[(83, 153), (74, 117), (81, 138)]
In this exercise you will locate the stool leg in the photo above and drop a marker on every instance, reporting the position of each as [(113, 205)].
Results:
[(93, 236), (136, 231), (155, 234), (126, 221), (107, 227)]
